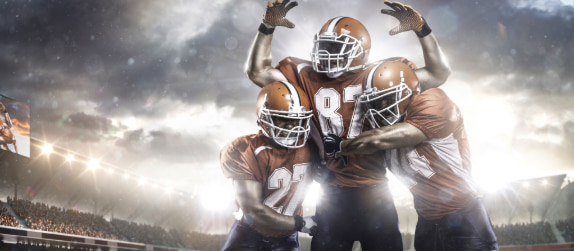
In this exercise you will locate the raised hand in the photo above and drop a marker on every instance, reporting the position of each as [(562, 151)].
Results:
[(276, 12), (409, 19)]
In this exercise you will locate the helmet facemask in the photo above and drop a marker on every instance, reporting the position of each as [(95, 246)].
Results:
[(288, 129), (383, 106), (334, 54)]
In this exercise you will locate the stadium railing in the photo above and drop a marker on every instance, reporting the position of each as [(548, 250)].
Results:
[(39, 236)]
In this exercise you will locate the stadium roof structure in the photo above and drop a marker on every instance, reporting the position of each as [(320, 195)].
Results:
[(524, 201)]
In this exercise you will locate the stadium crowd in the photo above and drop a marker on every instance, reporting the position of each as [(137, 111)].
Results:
[(6, 218), (566, 227), (40, 216), (525, 234), (144, 233)]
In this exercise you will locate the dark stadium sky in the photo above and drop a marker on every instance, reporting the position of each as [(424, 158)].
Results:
[(157, 87)]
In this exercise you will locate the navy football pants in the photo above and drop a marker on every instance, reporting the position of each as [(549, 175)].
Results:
[(349, 214), (243, 238), (468, 229)]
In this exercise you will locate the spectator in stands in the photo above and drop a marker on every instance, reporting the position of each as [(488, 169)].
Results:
[(525, 234), (566, 227)]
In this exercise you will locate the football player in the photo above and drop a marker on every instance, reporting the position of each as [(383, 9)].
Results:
[(356, 205), (271, 171), (426, 147)]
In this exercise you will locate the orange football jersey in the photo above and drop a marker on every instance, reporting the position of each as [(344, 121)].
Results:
[(284, 173), (336, 110), (437, 171)]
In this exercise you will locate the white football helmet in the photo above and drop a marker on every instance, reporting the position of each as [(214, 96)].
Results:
[(388, 91), (283, 115), (342, 45)]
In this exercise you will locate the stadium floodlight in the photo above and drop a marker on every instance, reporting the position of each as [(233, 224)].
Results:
[(70, 157), (169, 190), (47, 149), (126, 176), (142, 181), (525, 184), (94, 164), (110, 170), (544, 182)]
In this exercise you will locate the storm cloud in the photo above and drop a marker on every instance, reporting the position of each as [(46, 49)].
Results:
[(132, 81)]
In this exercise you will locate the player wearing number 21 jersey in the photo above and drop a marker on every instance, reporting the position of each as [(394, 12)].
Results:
[(271, 171)]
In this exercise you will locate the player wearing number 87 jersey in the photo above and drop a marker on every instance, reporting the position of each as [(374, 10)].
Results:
[(357, 204), (271, 171)]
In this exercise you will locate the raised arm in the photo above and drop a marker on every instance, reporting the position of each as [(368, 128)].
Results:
[(436, 69), (387, 137), (258, 66)]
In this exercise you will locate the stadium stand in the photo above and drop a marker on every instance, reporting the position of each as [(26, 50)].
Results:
[(566, 228), (525, 234)]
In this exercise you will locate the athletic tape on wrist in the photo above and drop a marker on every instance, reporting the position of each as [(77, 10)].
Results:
[(425, 30), (267, 31)]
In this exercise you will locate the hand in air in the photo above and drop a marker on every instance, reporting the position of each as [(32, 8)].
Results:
[(409, 18), (276, 12)]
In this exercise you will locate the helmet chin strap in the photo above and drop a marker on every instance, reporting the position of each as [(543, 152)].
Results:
[(334, 74)]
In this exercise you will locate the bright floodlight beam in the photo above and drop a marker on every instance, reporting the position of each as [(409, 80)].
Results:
[(70, 157), (47, 149), (94, 164), (216, 198)]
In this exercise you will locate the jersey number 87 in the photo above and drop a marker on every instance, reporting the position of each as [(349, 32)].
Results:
[(328, 102)]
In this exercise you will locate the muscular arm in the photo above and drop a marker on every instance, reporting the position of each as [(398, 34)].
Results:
[(258, 65), (248, 195), (383, 138), (436, 69)]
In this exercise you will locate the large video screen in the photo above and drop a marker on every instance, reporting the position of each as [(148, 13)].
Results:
[(15, 126)]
